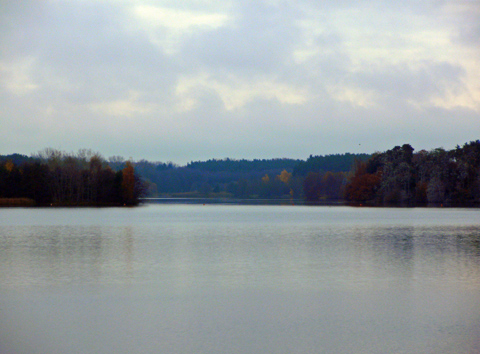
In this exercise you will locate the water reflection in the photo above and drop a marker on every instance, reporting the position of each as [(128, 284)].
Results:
[(240, 280), (46, 255), (236, 255)]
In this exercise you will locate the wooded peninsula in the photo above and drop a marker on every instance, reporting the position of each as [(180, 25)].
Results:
[(399, 176)]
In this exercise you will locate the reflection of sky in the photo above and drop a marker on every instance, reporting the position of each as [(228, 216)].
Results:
[(241, 246), (229, 279)]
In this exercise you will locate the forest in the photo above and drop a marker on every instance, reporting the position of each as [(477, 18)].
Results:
[(225, 178), (87, 178), (396, 176), (52, 177), (400, 175)]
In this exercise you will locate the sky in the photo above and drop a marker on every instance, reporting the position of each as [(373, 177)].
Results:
[(199, 79)]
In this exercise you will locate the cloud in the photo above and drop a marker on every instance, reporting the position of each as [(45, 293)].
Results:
[(421, 83), (165, 27), (237, 78), (236, 91), (258, 39), (127, 107), (16, 77), (178, 20)]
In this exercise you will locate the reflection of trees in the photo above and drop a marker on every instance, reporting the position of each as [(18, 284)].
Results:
[(238, 253), (451, 251), (128, 251), (472, 240), (57, 254), (400, 241), (389, 250)]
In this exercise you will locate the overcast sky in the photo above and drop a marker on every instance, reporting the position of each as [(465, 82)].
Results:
[(192, 80)]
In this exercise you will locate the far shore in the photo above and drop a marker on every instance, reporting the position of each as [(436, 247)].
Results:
[(20, 202), (27, 202)]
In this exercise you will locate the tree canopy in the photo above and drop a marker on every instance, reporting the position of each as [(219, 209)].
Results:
[(58, 178), (398, 175)]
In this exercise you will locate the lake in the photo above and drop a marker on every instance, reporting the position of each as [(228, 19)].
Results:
[(178, 278)]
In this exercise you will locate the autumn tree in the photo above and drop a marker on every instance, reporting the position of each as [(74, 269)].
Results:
[(333, 185), (128, 184), (285, 177), (312, 186), (362, 185)]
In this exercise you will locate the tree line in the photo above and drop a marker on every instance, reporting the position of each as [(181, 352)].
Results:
[(398, 175), (328, 163), (325, 177), (53, 177), (226, 178), (401, 176), (230, 178)]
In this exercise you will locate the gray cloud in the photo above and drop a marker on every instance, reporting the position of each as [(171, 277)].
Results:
[(268, 79), (260, 40), (403, 83)]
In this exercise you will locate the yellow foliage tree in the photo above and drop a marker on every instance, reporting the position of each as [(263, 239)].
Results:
[(9, 166), (285, 177), (266, 179)]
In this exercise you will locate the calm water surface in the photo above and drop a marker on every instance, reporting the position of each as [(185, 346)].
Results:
[(239, 279)]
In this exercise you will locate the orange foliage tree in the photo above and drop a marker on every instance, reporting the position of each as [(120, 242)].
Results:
[(362, 185), (128, 183)]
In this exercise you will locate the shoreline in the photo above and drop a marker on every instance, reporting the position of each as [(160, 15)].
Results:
[(30, 203)]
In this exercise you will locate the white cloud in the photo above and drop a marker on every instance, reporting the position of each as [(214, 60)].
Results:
[(178, 20), (235, 92), (355, 96), (16, 77), (391, 45), (125, 107), (166, 26)]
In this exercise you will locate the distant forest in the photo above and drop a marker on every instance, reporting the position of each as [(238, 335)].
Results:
[(396, 176), (52, 177), (229, 178), (401, 176)]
